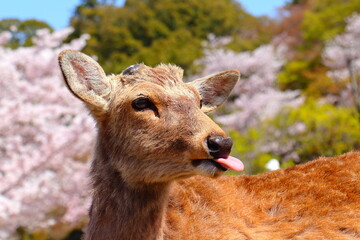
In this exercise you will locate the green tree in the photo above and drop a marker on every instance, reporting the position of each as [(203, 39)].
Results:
[(317, 22), (22, 31), (154, 31), (325, 19), (299, 135)]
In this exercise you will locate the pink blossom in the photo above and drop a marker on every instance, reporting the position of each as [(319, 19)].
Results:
[(46, 137), (5, 37), (342, 56), (255, 96)]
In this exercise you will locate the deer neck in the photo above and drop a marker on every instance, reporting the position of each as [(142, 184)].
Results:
[(120, 211)]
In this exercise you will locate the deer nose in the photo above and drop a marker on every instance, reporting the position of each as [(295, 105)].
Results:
[(219, 147)]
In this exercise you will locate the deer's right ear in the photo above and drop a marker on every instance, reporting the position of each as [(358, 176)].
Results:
[(85, 78)]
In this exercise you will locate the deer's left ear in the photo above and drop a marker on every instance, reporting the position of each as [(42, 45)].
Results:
[(215, 89)]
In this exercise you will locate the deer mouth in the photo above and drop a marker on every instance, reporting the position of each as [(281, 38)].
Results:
[(209, 164), (222, 164)]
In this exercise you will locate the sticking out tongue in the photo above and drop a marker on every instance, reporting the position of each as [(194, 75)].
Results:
[(231, 163)]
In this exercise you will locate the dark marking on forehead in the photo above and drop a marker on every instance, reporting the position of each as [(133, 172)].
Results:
[(163, 74), (131, 70)]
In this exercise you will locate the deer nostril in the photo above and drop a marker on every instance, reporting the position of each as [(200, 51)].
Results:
[(219, 147), (213, 144)]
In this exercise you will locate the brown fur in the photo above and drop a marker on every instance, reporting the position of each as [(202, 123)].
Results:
[(317, 200), (144, 178)]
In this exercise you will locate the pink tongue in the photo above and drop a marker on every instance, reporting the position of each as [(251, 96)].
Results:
[(231, 163)]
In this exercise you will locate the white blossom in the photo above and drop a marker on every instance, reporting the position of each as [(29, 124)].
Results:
[(342, 56), (273, 164)]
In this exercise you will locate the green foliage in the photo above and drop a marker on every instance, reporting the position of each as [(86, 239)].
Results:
[(320, 22), (246, 148), (23, 32), (294, 2), (252, 32), (155, 31), (325, 18), (287, 164), (308, 76), (24, 235), (260, 161), (292, 76), (327, 131)]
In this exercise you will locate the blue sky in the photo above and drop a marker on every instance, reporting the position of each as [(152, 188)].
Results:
[(58, 12)]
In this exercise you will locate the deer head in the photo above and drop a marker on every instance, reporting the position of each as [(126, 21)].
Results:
[(152, 126)]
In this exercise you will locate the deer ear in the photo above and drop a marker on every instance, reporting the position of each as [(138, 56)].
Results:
[(215, 89), (85, 78)]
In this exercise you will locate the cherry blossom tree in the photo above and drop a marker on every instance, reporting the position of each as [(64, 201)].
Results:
[(342, 56), (256, 96), (46, 137)]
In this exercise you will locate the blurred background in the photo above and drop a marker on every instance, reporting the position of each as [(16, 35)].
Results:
[(298, 97)]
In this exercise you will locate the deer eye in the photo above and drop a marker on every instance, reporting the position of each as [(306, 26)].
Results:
[(201, 103), (142, 104)]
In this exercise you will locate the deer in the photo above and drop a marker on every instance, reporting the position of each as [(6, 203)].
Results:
[(159, 163)]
